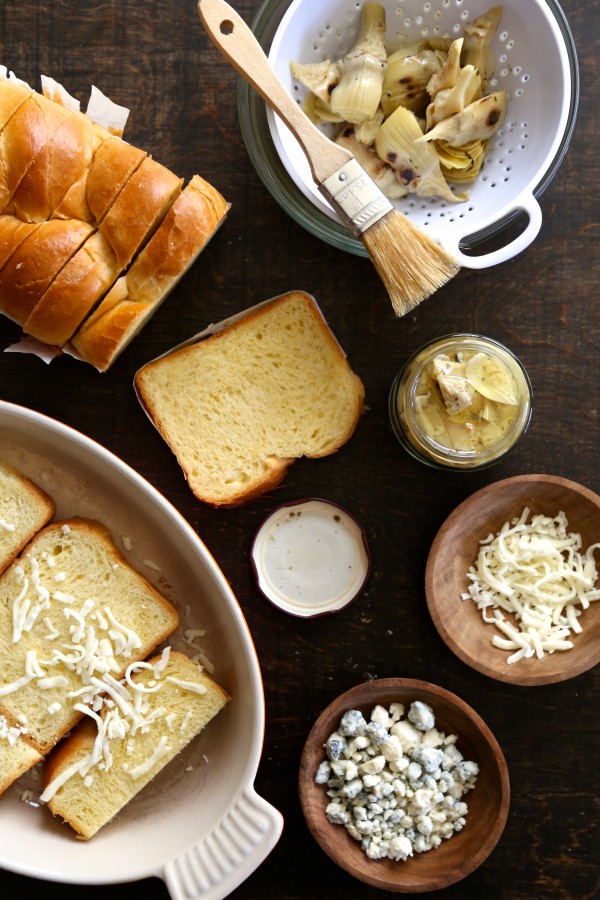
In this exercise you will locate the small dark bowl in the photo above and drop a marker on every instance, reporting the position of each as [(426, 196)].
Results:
[(455, 549), (488, 802)]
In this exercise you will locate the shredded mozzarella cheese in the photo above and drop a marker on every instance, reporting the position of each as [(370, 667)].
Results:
[(535, 573), (187, 685)]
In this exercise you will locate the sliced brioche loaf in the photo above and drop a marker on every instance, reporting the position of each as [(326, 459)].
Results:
[(239, 406), (72, 613), (135, 297), (182, 701), (78, 204), (17, 755), (24, 509)]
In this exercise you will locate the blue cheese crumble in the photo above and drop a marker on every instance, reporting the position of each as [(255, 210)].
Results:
[(395, 782)]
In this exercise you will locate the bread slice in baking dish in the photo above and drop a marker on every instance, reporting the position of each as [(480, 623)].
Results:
[(239, 406), (181, 237), (73, 613), (17, 755), (164, 704), (24, 509)]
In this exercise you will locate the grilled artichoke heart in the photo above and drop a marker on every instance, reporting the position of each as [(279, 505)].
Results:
[(478, 37), (461, 165), (358, 93), (453, 100), (319, 112), (397, 144), (408, 73), (477, 121), (320, 78), (382, 174), (447, 77)]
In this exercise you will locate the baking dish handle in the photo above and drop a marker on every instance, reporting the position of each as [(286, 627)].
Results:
[(223, 859), (524, 203)]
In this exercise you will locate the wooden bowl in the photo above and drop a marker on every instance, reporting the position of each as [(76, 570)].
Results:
[(455, 549), (488, 802)]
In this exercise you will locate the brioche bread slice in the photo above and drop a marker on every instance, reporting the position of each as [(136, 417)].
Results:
[(135, 297), (34, 265), (239, 406), (63, 160), (91, 196), (130, 222), (139, 209), (27, 131), (12, 233), (17, 755), (73, 613), (24, 509), (73, 293), (12, 94), (179, 700)]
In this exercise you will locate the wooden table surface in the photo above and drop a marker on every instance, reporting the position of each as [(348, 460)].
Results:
[(155, 58)]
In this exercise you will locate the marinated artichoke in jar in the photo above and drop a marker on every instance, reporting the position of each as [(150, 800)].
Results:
[(467, 401)]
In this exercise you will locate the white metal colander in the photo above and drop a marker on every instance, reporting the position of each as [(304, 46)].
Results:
[(535, 63)]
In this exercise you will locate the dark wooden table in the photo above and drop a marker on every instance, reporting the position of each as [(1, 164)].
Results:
[(154, 57)]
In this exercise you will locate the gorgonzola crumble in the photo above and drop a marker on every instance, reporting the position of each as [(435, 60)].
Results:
[(395, 782)]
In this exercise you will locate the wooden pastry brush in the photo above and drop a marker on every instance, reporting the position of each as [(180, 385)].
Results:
[(411, 265)]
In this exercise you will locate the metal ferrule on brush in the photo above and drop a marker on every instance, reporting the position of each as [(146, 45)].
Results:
[(356, 195)]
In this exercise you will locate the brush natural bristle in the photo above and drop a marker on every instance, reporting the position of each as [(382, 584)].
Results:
[(411, 265)]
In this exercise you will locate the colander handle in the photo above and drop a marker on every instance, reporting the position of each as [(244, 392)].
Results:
[(524, 203)]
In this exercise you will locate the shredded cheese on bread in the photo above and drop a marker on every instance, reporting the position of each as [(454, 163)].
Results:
[(138, 726)]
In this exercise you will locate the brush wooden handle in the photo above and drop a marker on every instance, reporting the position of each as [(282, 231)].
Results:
[(235, 40)]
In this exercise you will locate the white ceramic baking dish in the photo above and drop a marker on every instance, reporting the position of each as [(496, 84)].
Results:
[(199, 826)]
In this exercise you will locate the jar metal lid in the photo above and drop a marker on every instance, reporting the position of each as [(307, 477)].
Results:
[(310, 558)]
